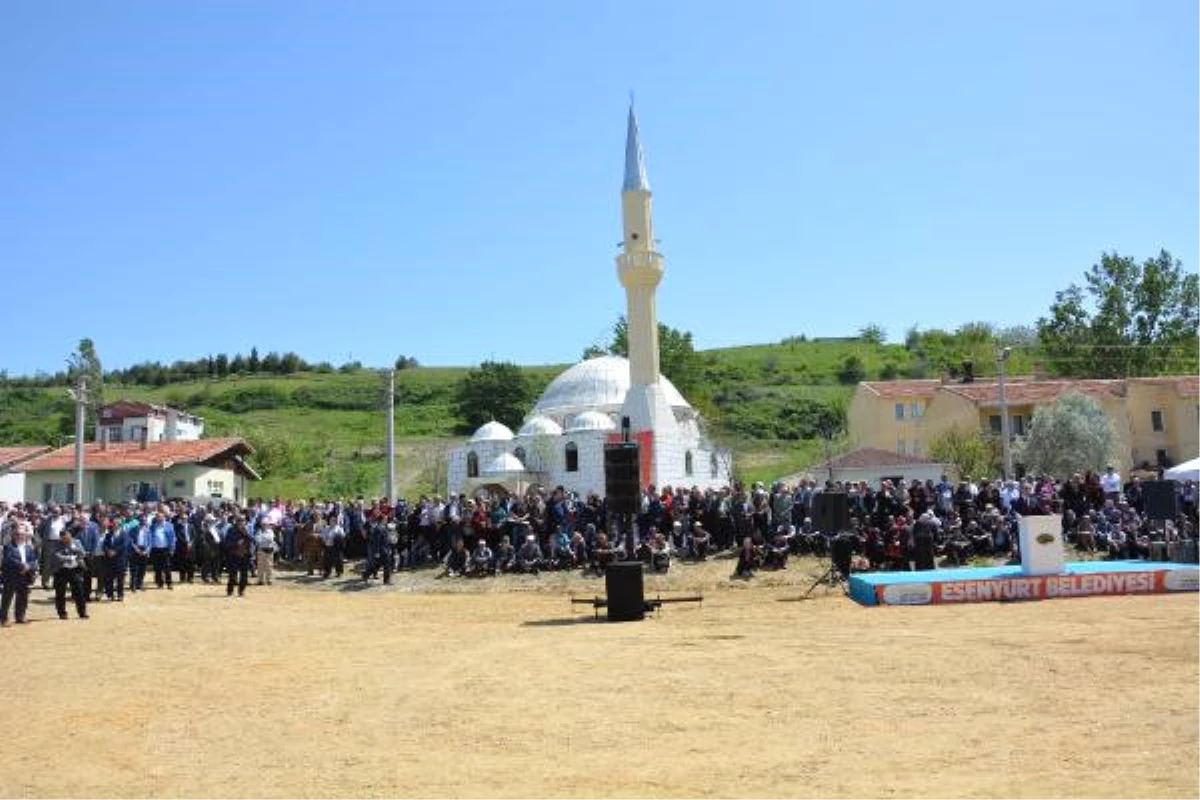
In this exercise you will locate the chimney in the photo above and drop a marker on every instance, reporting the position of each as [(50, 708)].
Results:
[(145, 437)]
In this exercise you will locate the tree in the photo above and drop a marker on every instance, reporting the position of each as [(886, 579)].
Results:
[(405, 362), (872, 334), (253, 364), (222, 365), (969, 452), (593, 351), (497, 390), (677, 357), (86, 363), (1071, 435), (238, 365), (1129, 319), (852, 371), (271, 362)]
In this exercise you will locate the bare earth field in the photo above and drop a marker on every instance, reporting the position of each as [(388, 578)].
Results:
[(501, 688)]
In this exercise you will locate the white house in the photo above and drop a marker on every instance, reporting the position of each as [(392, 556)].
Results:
[(133, 421)]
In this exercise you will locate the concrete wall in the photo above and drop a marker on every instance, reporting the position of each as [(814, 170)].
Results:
[(872, 422), (181, 480), (12, 486)]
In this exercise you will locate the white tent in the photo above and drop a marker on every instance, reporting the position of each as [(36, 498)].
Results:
[(1187, 471)]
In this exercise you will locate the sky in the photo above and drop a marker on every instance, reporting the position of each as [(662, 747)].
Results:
[(362, 180)]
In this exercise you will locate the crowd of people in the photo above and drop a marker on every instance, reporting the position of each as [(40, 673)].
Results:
[(100, 552)]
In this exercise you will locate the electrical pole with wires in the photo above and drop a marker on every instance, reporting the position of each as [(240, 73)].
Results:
[(79, 395), (391, 438)]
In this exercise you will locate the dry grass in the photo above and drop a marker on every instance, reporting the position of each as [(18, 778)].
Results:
[(439, 688)]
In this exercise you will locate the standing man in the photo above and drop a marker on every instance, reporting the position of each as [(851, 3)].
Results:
[(162, 546), (237, 545), (67, 560), (51, 528), (139, 551), (381, 539), (18, 566), (115, 546), (185, 547)]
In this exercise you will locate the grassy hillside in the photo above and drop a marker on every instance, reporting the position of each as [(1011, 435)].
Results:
[(324, 433)]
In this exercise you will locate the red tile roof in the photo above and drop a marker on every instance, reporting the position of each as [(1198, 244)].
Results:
[(910, 388), (869, 457), (1021, 393), (131, 455), (12, 456)]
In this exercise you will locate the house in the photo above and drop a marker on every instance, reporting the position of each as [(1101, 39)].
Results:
[(12, 480), (203, 470), (132, 421), (873, 466), (1156, 420)]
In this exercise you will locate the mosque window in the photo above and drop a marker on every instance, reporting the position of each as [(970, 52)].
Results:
[(572, 457), (712, 465), (472, 465), (687, 463)]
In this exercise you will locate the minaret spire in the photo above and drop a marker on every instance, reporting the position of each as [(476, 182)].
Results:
[(635, 162), (639, 266)]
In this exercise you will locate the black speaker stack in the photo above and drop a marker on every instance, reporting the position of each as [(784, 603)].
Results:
[(1162, 502), (622, 478), (831, 512)]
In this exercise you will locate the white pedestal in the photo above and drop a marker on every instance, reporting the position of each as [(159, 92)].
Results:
[(1042, 551)]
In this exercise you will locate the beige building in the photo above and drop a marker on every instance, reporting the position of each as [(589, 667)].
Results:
[(205, 469), (1157, 420)]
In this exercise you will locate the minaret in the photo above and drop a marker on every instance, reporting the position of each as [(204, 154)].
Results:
[(639, 267)]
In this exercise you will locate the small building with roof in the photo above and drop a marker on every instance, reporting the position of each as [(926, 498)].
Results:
[(12, 479), (203, 470)]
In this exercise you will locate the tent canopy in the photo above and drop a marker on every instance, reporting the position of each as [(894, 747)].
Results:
[(1187, 471)]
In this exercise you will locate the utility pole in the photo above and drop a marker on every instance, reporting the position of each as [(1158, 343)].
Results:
[(391, 438), (1001, 357), (79, 395)]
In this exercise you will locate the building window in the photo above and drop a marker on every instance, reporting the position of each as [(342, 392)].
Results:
[(58, 492), (687, 463), (114, 434), (472, 465), (216, 489), (1018, 425), (899, 410), (572, 457), (713, 467), (994, 424), (1162, 458), (915, 410), (1156, 421)]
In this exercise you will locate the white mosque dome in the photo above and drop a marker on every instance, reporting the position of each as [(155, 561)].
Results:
[(492, 432), (598, 384), (540, 426), (503, 464), (591, 421)]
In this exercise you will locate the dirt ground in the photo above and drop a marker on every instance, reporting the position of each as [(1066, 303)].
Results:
[(440, 688)]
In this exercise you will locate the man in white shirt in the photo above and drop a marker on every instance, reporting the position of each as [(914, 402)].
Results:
[(1110, 483)]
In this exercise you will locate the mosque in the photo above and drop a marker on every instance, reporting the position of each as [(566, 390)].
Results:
[(561, 442)]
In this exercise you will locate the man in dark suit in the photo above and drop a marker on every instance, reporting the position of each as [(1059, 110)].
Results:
[(19, 565)]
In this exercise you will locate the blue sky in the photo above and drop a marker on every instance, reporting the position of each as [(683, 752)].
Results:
[(364, 179)]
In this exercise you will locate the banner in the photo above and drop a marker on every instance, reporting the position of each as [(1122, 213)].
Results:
[(1040, 587)]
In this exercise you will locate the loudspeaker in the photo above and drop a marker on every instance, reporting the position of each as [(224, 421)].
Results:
[(622, 478), (1161, 500), (830, 513), (626, 596)]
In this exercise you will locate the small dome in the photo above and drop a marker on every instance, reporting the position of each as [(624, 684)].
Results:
[(492, 432), (503, 464), (540, 426), (591, 421)]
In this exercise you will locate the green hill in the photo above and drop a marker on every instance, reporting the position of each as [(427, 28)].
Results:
[(324, 433)]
